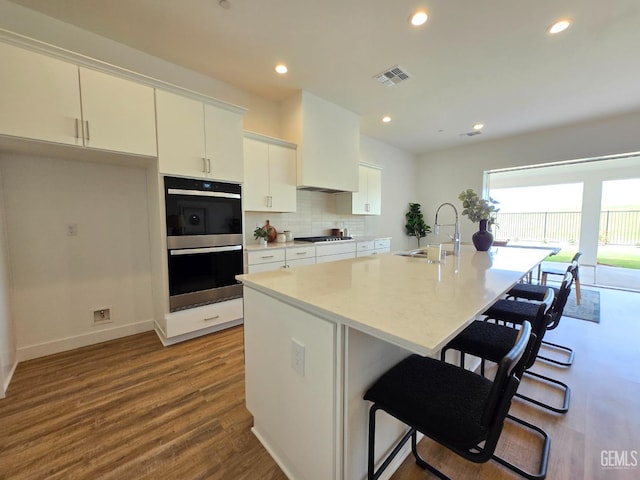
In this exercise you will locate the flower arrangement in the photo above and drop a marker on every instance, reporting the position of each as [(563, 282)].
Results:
[(477, 208)]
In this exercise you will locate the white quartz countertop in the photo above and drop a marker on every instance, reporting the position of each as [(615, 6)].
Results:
[(403, 300)]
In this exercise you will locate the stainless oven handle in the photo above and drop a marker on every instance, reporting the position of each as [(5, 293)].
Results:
[(191, 251), (201, 193)]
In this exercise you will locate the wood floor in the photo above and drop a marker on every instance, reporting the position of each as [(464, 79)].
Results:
[(132, 409)]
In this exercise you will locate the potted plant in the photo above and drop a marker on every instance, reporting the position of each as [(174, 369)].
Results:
[(261, 234), (482, 211), (416, 226)]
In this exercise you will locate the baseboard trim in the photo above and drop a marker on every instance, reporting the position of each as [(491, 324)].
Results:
[(7, 380), (69, 343)]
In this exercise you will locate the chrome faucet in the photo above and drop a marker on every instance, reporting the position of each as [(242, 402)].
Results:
[(456, 234)]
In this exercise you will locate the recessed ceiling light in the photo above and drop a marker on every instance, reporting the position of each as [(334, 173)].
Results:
[(386, 119), (559, 26), (418, 18), (281, 68), (478, 126)]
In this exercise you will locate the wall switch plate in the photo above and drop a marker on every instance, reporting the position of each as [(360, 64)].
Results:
[(297, 356)]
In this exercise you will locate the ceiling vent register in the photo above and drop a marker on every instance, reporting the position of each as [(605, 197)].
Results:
[(392, 76)]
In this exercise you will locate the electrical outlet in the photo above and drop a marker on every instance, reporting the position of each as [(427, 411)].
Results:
[(102, 316), (72, 230), (297, 356)]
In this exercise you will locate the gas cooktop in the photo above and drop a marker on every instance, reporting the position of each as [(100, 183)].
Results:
[(321, 238)]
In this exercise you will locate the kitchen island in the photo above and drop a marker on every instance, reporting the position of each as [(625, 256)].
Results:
[(316, 337)]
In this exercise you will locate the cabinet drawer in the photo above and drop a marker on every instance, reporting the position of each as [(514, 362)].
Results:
[(336, 257), (365, 248), (265, 267), (297, 253), (256, 257), (299, 262), (335, 248), (199, 318), (383, 245)]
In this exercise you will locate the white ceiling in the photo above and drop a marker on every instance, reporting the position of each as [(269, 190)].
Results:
[(473, 61)]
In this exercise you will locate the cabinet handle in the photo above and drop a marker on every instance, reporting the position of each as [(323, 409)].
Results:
[(301, 253), (269, 201), (267, 256), (366, 207), (86, 122), (204, 165), (77, 129), (208, 165), (211, 318)]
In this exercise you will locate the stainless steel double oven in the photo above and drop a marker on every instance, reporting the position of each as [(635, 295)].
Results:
[(204, 241)]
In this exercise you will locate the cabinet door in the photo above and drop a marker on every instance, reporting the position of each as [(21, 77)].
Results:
[(282, 178), (39, 97), (223, 141), (255, 191), (359, 199), (180, 135), (374, 191), (118, 114)]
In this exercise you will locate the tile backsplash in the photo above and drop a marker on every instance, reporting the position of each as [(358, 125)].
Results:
[(315, 215)]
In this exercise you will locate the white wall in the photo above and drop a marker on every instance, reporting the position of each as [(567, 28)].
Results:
[(442, 175), (59, 280), (261, 117), (7, 341), (399, 188)]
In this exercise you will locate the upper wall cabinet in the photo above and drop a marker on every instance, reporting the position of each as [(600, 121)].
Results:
[(368, 199), (197, 139), (43, 98), (117, 114), (269, 175), (39, 97), (328, 139)]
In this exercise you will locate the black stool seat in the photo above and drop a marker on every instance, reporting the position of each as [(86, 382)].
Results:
[(436, 398), (529, 291), (512, 311), (487, 340)]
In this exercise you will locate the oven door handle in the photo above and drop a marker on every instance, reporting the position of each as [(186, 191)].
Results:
[(191, 251), (201, 193)]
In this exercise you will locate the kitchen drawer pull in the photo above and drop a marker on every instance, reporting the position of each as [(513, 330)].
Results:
[(211, 318), (77, 129), (86, 122), (267, 256), (301, 253)]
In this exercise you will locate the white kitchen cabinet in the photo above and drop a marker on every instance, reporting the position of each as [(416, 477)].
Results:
[(117, 114), (334, 251), (47, 99), (365, 248), (382, 245), (269, 174), (328, 139), (39, 97), (212, 317), (265, 260), (299, 256), (223, 143), (198, 140), (368, 199)]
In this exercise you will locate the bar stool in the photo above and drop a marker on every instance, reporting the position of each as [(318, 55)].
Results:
[(459, 409), (488, 340), (537, 292), (549, 270)]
